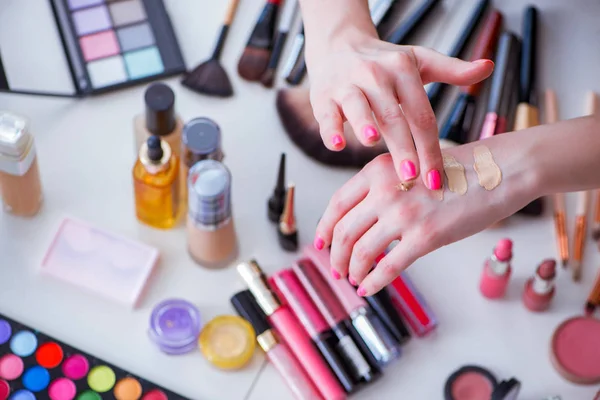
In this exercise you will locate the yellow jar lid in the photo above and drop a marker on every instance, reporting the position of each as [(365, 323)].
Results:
[(228, 342)]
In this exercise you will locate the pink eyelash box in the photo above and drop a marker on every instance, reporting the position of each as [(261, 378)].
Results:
[(113, 266)]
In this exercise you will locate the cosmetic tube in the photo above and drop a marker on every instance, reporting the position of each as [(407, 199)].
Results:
[(287, 285), (278, 353), (411, 305), (381, 342), (382, 305), (351, 347), (283, 320)]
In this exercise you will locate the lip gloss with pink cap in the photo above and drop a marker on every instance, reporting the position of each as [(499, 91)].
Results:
[(539, 290), (497, 271)]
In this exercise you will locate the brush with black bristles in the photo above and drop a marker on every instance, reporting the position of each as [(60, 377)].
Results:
[(255, 59), (210, 78), (290, 9)]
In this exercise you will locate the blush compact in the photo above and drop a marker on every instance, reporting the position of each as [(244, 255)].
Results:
[(472, 382)]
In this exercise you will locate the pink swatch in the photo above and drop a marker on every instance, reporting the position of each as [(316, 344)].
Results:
[(99, 45)]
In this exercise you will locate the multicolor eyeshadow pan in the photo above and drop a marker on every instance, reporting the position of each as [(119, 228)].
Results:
[(34, 366), (112, 44)]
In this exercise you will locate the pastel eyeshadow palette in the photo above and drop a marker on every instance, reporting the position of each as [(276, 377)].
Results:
[(35, 366), (116, 43)]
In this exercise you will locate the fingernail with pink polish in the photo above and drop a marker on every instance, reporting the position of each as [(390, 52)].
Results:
[(434, 180), (335, 274), (408, 170), (352, 281), (319, 243), (361, 291), (337, 140), (370, 133)]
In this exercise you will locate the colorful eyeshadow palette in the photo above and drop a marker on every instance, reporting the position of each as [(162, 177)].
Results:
[(109, 44), (35, 366)]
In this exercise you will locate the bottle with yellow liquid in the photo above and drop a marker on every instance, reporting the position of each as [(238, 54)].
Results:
[(156, 185)]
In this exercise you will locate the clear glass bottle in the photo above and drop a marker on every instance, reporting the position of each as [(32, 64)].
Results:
[(20, 185), (156, 184), (212, 240), (159, 119)]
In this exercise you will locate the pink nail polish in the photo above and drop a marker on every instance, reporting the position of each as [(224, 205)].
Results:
[(434, 180), (361, 291), (352, 281), (337, 140), (408, 170), (335, 274), (370, 133), (319, 243)]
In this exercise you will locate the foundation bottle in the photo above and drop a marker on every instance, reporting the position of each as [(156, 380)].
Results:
[(20, 186), (212, 241), (159, 119), (156, 184)]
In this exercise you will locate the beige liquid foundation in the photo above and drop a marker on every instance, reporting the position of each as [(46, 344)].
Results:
[(20, 186), (212, 241)]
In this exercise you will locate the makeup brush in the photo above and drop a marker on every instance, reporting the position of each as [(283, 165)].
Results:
[(527, 110), (407, 28), (255, 59), (435, 91), (276, 202), (295, 53), (593, 300), (456, 128), (287, 232), (560, 215), (380, 10), (593, 109), (502, 86), (210, 78), (290, 9)]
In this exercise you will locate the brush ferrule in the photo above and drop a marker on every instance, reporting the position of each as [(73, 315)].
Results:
[(220, 42), (262, 35)]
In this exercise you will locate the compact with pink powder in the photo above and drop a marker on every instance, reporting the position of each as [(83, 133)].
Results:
[(472, 382)]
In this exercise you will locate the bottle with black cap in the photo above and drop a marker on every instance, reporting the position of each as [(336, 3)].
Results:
[(159, 119), (156, 184), (278, 353)]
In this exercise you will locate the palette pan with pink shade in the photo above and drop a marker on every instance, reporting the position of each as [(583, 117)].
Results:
[(472, 382)]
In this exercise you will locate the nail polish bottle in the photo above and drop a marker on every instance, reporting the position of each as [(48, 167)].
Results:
[(287, 232), (156, 185), (159, 118), (539, 289), (497, 271), (277, 200), (211, 236), (20, 185)]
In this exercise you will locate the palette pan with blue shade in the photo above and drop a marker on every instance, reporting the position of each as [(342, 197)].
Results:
[(108, 44)]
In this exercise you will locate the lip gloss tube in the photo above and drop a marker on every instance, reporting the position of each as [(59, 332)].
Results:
[(412, 305), (286, 284), (285, 323), (361, 362), (381, 342), (278, 353), (381, 303)]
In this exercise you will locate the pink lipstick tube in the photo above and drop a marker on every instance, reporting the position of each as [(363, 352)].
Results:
[(289, 289), (411, 305), (282, 319), (278, 353), (539, 290), (496, 271), (371, 329), (353, 350)]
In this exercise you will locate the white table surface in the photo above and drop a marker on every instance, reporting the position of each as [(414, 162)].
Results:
[(86, 153)]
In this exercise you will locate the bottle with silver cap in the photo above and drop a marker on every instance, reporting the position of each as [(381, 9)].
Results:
[(212, 241), (20, 185)]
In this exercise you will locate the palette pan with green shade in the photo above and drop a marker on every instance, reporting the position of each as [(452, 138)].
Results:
[(34, 366), (107, 45)]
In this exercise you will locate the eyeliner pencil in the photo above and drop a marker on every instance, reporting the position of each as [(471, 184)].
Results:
[(560, 224)]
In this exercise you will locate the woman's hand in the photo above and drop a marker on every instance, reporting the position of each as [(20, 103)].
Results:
[(370, 211), (359, 78)]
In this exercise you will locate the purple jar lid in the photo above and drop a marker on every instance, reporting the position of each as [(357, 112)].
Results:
[(5, 331), (175, 326)]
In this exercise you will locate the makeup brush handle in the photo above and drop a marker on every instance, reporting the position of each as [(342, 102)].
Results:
[(290, 9), (528, 56), (551, 106), (591, 106), (474, 21), (230, 14), (400, 34), (502, 71), (485, 45)]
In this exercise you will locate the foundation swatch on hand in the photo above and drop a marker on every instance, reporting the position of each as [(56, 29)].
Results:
[(455, 174), (488, 172)]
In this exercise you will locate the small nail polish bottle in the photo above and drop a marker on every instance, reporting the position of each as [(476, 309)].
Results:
[(287, 231), (539, 289), (497, 271)]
